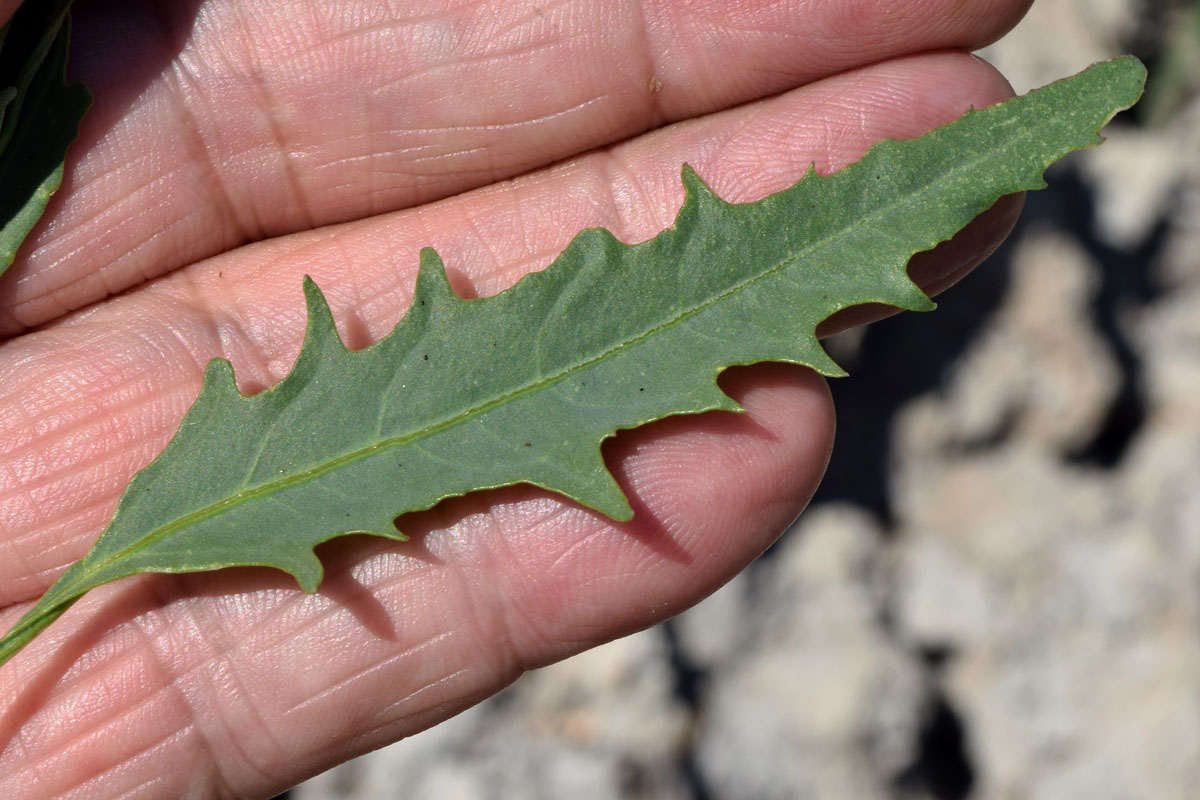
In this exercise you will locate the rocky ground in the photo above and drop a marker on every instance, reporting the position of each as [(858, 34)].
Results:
[(997, 592)]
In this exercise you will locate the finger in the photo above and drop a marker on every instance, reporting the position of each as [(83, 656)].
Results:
[(238, 685), (88, 402), (218, 123)]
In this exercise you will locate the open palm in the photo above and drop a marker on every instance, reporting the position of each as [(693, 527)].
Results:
[(237, 145)]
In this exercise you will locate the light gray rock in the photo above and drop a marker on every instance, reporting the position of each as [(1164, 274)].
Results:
[(816, 700), (1068, 592), (1040, 373)]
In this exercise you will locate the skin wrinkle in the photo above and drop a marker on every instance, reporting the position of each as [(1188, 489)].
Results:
[(200, 677), (540, 628), (489, 248), (60, 401), (15, 553), (512, 626), (329, 42), (267, 106), (289, 613), (99, 453), (179, 78), (390, 713), (138, 717), (34, 535), (120, 773), (104, 276), (461, 568), (575, 547), (301, 613), (97, 694), (149, 754), (130, 255), (494, 127), (116, 217), (372, 164), (374, 717), (477, 60), (538, 15), (342, 682)]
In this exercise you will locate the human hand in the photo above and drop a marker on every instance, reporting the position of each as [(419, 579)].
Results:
[(318, 131)]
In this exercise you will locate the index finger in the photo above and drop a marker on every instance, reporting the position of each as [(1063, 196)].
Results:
[(218, 122)]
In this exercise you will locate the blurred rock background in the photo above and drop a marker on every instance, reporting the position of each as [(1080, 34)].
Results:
[(996, 593)]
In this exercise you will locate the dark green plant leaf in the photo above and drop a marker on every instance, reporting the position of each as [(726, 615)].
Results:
[(39, 116), (523, 387)]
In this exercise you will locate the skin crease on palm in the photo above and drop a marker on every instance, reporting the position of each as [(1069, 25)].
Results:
[(234, 147)]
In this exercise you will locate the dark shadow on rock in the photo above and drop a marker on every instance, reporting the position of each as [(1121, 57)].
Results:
[(1126, 284), (941, 768), (690, 684)]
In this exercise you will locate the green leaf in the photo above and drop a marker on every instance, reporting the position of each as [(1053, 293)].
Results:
[(523, 387), (39, 116)]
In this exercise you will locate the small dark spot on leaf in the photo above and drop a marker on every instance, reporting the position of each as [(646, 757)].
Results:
[(641, 389), (425, 357), (528, 444)]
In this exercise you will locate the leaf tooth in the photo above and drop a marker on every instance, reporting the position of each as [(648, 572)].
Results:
[(604, 495), (219, 384), (817, 359), (303, 565), (320, 334), (320, 318), (583, 477), (699, 200), (433, 292)]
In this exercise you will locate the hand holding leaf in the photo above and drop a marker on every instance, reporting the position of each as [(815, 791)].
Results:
[(237, 678)]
